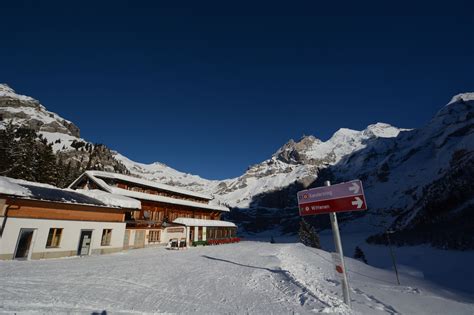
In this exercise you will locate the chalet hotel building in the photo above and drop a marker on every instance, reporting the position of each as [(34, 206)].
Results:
[(102, 213), (166, 212)]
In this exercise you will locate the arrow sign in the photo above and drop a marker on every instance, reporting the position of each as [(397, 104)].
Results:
[(354, 188), (357, 202), (336, 198)]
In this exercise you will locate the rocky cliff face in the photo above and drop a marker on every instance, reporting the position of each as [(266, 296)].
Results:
[(75, 153), (26, 111)]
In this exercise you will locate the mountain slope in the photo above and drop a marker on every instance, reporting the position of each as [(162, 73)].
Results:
[(162, 173), (26, 111), (414, 179), (52, 133), (293, 162), (418, 184), (298, 162)]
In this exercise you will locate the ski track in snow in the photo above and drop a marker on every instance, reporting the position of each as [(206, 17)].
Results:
[(245, 278)]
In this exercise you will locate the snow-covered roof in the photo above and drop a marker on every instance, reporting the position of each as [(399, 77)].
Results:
[(158, 198), (44, 192), (200, 222), (112, 199), (144, 182), (9, 187), (96, 177)]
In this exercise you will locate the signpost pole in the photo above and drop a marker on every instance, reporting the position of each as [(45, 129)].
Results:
[(338, 245), (392, 255)]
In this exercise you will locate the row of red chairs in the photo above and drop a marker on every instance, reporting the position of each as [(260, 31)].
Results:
[(223, 241)]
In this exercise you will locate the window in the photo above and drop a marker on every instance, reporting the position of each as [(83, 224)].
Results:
[(156, 216), (54, 237), (173, 216), (210, 233), (175, 230), (106, 237), (154, 236)]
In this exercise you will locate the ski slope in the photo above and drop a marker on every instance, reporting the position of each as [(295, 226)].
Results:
[(245, 278)]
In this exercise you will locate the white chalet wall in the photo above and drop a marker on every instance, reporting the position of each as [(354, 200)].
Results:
[(69, 239)]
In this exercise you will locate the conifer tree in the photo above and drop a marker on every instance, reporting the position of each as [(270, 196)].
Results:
[(7, 138), (308, 235), (46, 170), (60, 180), (359, 254), (24, 155)]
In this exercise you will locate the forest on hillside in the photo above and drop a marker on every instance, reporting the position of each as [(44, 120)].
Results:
[(26, 154)]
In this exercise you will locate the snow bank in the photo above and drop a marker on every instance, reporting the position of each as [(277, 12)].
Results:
[(242, 278)]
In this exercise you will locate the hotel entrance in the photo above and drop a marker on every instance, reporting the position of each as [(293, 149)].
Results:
[(23, 247)]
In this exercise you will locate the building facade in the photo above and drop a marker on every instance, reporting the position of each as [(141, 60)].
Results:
[(166, 211), (40, 221)]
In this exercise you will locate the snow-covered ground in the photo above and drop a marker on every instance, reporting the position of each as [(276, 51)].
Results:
[(450, 269), (249, 277)]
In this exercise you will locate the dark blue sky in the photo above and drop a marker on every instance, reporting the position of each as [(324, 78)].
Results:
[(212, 87)]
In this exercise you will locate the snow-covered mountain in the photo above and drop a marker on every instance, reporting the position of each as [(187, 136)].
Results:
[(27, 111), (407, 174), (298, 162), (162, 173), (293, 162), (420, 184), (63, 135)]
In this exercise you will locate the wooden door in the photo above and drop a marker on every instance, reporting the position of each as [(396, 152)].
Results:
[(84, 243), (139, 239), (24, 243), (126, 239)]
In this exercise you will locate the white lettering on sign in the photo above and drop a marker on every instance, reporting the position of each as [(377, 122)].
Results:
[(317, 207), (317, 195)]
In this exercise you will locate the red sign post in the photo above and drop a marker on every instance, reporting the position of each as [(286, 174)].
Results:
[(331, 199), (336, 198)]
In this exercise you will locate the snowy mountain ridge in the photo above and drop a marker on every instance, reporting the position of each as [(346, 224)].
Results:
[(25, 110), (73, 154), (404, 170), (294, 161), (465, 97)]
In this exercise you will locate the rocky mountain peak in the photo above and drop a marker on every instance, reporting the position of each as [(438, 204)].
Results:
[(344, 134), (8, 94), (464, 97), (4, 88), (27, 111), (381, 130), (294, 152)]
